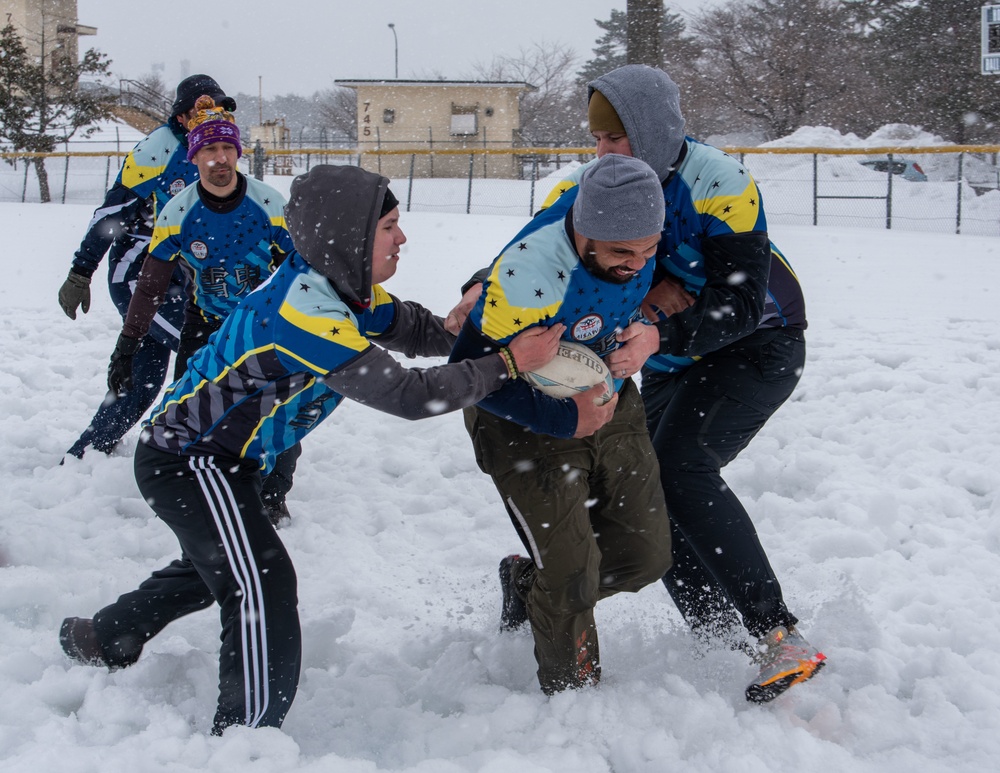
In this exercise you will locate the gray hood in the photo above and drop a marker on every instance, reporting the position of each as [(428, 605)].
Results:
[(332, 214), (649, 106)]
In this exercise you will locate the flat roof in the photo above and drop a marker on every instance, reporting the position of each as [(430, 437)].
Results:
[(393, 82)]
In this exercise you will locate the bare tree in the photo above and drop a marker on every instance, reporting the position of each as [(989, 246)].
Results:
[(553, 112), (925, 56), (775, 61), (154, 82), (338, 110)]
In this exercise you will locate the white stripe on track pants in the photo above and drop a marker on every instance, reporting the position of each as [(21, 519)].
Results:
[(235, 556)]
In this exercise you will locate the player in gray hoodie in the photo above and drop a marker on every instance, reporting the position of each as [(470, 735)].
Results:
[(726, 349), (286, 357), (724, 352)]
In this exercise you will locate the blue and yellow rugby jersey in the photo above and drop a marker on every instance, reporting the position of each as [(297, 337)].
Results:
[(256, 388), (539, 279), (158, 168), (226, 254), (154, 171), (711, 195)]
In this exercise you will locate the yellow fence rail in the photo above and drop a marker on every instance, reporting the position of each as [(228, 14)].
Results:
[(803, 185), (544, 151)]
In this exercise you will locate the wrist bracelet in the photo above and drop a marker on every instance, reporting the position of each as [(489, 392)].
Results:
[(510, 362)]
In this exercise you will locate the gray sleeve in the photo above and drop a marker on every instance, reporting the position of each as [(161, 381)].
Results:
[(416, 332), (375, 379), (476, 279)]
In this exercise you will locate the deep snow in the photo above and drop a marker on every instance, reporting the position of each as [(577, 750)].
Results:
[(874, 491)]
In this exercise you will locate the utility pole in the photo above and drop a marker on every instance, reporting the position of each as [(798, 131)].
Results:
[(643, 33)]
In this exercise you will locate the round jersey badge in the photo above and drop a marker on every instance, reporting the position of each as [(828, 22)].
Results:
[(199, 249), (588, 327), (177, 186)]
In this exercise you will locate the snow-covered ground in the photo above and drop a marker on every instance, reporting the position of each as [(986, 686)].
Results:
[(874, 490)]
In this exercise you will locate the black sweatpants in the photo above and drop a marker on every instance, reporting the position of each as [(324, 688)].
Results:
[(230, 554), (699, 421)]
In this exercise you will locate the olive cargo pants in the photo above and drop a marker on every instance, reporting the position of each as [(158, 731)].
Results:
[(591, 515)]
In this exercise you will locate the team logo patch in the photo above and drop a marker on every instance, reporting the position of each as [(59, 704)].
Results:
[(588, 327), (177, 186), (199, 249)]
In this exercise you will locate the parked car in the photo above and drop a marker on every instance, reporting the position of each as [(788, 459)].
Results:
[(904, 167)]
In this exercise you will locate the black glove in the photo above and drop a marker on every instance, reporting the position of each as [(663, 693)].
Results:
[(120, 369), (75, 291)]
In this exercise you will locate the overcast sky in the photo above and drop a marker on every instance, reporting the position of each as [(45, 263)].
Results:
[(301, 46)]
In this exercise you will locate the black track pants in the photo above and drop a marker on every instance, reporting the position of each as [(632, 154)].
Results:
[(699, 421), (232, 555)]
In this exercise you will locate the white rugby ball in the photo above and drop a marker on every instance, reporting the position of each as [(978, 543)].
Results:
[(575, 368)]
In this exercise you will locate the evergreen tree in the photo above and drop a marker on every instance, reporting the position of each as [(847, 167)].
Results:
[(609, 53), (679, 49), (681, 53), (43, 103), (868, 16), (13, 108)]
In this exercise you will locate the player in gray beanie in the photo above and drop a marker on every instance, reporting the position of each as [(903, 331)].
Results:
[(726, 349), (620, 199), (728, 345)]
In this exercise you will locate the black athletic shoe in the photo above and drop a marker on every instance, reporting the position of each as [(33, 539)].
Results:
[(514, 612), (79, 642)]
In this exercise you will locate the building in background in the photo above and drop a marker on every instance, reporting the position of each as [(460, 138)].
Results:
[(272, 135), (48, 28), (447, 117)]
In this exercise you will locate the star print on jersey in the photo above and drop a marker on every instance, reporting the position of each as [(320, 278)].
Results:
[(531, 282), (230, 253), (259, 385), (729, 199), (157, 168), (710, 195)]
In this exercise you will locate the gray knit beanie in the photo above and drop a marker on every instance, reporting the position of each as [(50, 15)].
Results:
[(620, 198)]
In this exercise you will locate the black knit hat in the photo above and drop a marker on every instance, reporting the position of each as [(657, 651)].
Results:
[(192, 87), (389, 203)]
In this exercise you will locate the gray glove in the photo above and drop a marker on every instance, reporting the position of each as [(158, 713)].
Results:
[(75, 291)]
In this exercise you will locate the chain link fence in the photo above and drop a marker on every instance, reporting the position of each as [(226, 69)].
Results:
[(943, 189)]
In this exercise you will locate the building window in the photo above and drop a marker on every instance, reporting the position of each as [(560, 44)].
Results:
[(464, 120), (389, 115)]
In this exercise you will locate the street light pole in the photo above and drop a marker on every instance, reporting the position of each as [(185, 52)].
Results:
[(395, 46)]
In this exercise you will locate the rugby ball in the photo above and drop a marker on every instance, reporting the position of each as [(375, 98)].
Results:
[(575, 368)]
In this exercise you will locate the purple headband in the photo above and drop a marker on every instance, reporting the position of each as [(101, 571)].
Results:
[(213, 130)]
